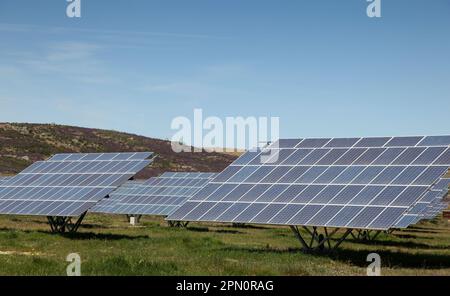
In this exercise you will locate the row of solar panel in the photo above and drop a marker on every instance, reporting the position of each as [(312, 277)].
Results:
[(100, 156), (108, 203), (84, 167), (157, 196), (399, 175), (191, 175), (151, 204), (152, 207), (371, 196), (68, 184), (144, 209), (315, 194), (63, 208), (185, 182), (290, 214), (80, 193), (363, 142), (349, 180), (66, 180), (350, 156), (429, 206)]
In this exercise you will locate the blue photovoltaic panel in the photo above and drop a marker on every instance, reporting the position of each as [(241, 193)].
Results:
[(286, 143), (68, 184), (434, 209), (190, 175), (364, 183), (108, 203), (404, 141), (443, 184), (435, 141), (157, 196), (428, 206), (4, 179)]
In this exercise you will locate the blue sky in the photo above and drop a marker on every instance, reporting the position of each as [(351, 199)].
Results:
[(323, 67)]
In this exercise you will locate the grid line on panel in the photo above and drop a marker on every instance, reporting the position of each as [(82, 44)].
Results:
[(375, 197)]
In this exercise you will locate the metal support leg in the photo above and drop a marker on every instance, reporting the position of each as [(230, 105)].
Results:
[(376, 234), (341, 240), (365, 235), (299, 237), (74, 227), (63, 224), (320, 241), (177, 224)]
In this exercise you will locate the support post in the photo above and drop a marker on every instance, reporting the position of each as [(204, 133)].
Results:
[(299, 237), (134, 219)]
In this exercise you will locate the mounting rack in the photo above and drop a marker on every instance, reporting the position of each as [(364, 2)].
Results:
[(177, 223), (319, 241), (365, 235), (64, 224)]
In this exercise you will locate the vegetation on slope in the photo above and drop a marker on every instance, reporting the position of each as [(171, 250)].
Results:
[(22, 144)]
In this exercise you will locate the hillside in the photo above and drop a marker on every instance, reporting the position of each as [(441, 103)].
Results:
[(22, 144)]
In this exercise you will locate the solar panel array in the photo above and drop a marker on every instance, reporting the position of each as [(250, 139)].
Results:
[(364, 183), (160, 195), (67, 185), (108, 203), (438, 204), (428, 206)]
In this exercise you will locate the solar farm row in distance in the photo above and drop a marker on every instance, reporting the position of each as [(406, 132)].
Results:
[(107, 204), (156, 196), (364, 183), (428, 206), (440, 202), (67, 185)]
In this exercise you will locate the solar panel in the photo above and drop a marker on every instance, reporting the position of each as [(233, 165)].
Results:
[(190, 175), (356, 183), (4, 179), (427, 205), (108, 203), (157, 196), (67, 185)]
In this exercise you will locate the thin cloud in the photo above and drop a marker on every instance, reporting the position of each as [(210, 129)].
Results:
[(6, 27), (74, 60)]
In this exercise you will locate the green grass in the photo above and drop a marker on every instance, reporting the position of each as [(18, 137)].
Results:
[(108, 245)]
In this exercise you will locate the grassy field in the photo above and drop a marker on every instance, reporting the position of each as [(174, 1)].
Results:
[(108, 245)]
